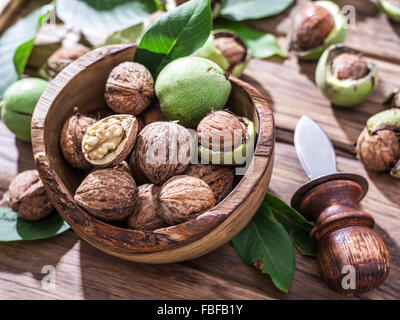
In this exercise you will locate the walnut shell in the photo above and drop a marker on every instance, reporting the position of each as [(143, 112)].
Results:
[(219, 178), (109, 194), (137, 173), (163, 149), (109, 141), (378, 152), (349, 66), (183, 198), (146, 214), (129, 88), (313, 26), (71, 140), (232, 48), (64, 56), (221, 131), (28, 196), (153, 113)]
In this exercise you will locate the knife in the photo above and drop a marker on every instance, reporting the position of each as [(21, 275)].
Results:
[(352, 258)]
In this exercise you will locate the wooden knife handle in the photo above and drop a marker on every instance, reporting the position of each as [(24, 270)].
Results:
[(352, 258)]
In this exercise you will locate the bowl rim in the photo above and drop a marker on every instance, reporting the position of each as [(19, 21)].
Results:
[(122, 241)]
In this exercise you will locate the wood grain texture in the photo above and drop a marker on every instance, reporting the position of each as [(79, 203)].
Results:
[(81, 85), (289, 88)]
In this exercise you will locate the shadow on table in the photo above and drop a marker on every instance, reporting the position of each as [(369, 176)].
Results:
[(31, 256), (25, 155)]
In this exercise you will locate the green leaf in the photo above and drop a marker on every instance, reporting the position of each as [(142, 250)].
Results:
[(265, 243), (129, 35), (104, 16), (13, 228), (177, 34), (25, 30), (279, 207), (261, 45), (239, 10), (22, 53), (298, 227)]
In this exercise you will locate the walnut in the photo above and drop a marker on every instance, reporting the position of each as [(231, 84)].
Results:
[(183, 198), (221, 131), (146, 214), (28, 196), (129, 88), (137, 173), (219, 178), (71, 140), (109, 194), (379, 151), (313, 26), (109, 141), (163, 149), (231, 47), (153, 113), (349, 66), (64, 56)]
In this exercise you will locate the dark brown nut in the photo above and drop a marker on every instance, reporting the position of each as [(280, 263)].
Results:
[(109, 141), (109, 194), (64, 56), (221, 131), (137, 173), (129, 88), (146, 214), (163, 149), (71, 140), (153, 113), (219, 178), (28, 196), (314, 25), (232, 48), (349, 66), (183, 198), (379, 151)]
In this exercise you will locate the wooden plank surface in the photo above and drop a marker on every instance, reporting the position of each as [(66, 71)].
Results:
[(289, 87)]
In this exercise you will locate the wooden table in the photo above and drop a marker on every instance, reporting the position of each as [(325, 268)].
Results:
[(83, 272)]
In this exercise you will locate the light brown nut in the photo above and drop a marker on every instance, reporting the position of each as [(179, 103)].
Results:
[(137, 173), (232, 49), (28, 196), (129, 88), (349, 66), (183, 198), (380, 151), (219, 178), (163, 149), (313, 26), (221, 130), (71, 140), (110, 141), (146, 214), (109, 194)]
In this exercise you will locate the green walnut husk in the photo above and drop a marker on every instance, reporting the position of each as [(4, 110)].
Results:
[(238, 155), (385, 120), (348, 92), (212, 52), (337, 35), (19, 102), (391, 8)]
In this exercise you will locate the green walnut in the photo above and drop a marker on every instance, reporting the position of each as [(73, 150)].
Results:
[(227, 50), (391, 8), (19, 103), (385, 120), (345, 77), (315, 28), (191, 87), (172, 4)]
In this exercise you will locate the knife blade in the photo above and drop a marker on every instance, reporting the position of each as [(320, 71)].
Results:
[(314, 149)]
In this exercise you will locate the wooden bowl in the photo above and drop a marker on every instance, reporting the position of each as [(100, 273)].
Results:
[(82, 84)]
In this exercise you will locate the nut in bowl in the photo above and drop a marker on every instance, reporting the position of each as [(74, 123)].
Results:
[(211, 223)]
